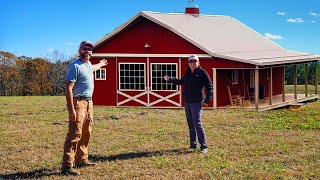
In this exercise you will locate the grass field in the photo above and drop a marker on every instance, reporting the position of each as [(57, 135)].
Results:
[(301, 89), (131, 143)]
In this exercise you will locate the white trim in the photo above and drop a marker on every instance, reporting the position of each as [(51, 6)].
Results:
[(132, 98), (214, 81), (147, 89), (166, 98), (180, 88), (109, 55)]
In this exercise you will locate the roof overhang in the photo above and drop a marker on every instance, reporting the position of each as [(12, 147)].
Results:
[(258, 58)]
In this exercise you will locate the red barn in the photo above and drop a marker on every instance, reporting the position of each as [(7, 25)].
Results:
[(246, 68)]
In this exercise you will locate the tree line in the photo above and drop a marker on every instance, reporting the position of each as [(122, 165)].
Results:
[(25, 76), (289, 71)]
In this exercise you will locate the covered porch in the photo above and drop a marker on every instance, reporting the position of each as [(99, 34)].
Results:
[(274, 85)]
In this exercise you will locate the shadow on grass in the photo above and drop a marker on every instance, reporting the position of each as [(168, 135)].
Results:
[(38, 174), (132, 155)]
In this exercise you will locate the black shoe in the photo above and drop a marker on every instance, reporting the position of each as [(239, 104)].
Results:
[(86, 163), (70, 171)]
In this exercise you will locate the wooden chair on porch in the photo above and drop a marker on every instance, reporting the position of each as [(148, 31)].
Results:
[(235, 100)]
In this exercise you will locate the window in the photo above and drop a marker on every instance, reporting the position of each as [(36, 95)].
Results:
[(132, 76), (234, 77), (101, 74), (251, 78), (158, 71)]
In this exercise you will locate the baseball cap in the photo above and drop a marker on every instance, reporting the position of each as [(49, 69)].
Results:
[(194, 57), (86, 43)]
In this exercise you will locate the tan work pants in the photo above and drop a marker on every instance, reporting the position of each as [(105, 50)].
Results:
[(78, 136)]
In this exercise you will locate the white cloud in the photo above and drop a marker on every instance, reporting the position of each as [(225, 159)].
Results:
[(314, 14), (70, 43), (296, 20), (50, 49), (271, 36), (281, 13), (313, 21)]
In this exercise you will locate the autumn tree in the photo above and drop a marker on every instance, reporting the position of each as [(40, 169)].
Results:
[(35, 72)]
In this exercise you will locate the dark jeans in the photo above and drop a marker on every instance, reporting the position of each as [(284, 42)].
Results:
[(193, 114)]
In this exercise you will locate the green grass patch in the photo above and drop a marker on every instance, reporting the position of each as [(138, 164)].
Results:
[(138, 143)]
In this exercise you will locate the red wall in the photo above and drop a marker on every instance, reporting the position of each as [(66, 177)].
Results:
[(105, 90)]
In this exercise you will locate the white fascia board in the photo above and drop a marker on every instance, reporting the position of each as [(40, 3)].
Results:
[(301, 60), (106, 55)]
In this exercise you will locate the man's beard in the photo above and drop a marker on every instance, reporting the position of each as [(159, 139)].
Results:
[(85, 57)]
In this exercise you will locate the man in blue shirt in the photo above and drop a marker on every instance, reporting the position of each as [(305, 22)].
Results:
[(79, 90)]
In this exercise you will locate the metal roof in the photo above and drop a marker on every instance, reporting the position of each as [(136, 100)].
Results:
[(223, 37)]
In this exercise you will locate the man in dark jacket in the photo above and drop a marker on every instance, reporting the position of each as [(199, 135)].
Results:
[(195, 80)]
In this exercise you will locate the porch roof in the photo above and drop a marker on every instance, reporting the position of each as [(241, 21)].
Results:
[(222, 37)]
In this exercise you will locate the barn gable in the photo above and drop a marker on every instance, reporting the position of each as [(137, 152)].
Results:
[(143, 32)]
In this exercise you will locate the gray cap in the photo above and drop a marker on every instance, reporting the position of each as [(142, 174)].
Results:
[(86, 43), (193, 56)]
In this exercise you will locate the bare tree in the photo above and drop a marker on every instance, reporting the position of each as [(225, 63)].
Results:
[(8, 74), (57, 71)]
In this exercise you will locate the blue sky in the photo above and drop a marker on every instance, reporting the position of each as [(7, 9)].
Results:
[(35, 28)]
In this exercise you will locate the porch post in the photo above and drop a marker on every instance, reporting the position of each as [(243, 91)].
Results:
[(117, 81), (270, 87), (214, 81), (316, 78), (148, 84), (256, 88), (283, 85), (306, 79), (295, 80), (180, 89)]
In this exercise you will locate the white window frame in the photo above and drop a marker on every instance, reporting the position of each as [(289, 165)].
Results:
[(151, 77), (144, 76), (101, 74), (251, 79), (235, 76)]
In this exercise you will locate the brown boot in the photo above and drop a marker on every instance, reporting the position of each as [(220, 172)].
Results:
[(86, 163), (70, 171)]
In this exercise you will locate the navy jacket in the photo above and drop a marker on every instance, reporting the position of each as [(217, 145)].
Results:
[(194, 84)]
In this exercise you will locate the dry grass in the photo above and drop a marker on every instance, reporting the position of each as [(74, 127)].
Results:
[(151, 143)]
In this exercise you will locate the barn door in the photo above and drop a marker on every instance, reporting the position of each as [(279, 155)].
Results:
[(161, 93), (132, 84), (142, 84)]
